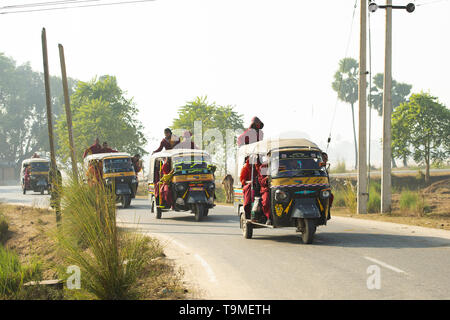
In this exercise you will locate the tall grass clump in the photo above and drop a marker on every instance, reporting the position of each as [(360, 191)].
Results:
[(374, 203), (110, 260), (349, 195), (414, 202), (4, 226), (13, 274)]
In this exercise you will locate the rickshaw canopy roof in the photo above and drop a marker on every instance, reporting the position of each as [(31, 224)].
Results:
[(268, 145), (31, 160), (101, 156), (175, 152)]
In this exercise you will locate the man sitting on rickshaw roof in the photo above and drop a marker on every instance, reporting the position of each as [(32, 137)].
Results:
[(95, 148), (35, 155), (168, 142), (253, 134), (106, 148), (187, 142)]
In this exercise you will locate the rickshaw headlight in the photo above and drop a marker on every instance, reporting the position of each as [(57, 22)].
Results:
[(211, 186), (280, 195), (180, 187), (325, 194), (109, 181)]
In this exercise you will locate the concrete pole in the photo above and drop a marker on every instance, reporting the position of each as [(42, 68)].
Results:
[(53, 176), (362, 138), (386, 196), (68, 111)]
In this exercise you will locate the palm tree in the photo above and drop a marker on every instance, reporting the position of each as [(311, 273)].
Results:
[(346, 85)]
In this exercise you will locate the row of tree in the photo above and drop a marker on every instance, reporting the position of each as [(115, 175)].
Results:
[(99, 109), (420, 124)]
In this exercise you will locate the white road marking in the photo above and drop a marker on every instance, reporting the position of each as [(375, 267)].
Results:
[(381, 263), (211, 275)]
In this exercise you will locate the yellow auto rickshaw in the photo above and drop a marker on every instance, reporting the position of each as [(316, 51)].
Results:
[(116, 171), (191, 182), (34, 175), (298, 183)]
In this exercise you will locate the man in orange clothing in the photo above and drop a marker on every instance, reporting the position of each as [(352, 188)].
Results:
[(265, 191), (247, 189), (164, 186), (169, 142), (95, 148), (253, 134)]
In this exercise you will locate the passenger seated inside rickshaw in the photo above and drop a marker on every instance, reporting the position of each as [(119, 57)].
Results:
[(164, 190)]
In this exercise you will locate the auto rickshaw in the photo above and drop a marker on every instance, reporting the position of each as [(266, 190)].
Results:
[(34, 175), (116, 172), (298, 182), (191, 182)]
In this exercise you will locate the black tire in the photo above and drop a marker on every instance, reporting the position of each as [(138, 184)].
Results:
[(247, 227), (24, 190), (205, 213), (42, 190), (152, 210), (199, 212), (126, 199), (158, 210), (308, 231)]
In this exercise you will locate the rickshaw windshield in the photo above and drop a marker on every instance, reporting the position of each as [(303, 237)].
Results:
[(297, 164), (40, 166), (117, 165), (194, 163)]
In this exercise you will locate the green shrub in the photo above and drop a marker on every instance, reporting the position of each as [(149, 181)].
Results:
[(110, 261), (13, 274), (374, 203), (3, 228), (414, 202)]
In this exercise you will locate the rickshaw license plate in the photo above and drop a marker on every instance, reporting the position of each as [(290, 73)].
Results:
[(196, 189)]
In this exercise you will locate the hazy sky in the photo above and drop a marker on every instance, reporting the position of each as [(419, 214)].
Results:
[(273, 59)]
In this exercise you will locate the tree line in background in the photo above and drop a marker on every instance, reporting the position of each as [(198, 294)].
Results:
[(99, 109), (420, 124)]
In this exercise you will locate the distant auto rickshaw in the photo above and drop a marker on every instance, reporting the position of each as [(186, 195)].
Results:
[(116, 171), (34, 175), (191, 182), (298, 182)]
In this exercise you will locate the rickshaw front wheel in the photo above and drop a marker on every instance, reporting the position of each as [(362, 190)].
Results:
[(309, 229), (247, 228), (200, 212)]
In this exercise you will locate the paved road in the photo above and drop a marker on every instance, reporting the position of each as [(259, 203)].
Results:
[(14, 195), (220, 264)]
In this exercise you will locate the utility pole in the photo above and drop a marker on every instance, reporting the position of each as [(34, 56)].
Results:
[(362, 143), (68, 111), (386, 193), (53, 176)]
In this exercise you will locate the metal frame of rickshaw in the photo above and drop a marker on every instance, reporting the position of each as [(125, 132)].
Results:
[(152, 184), (246, 224)]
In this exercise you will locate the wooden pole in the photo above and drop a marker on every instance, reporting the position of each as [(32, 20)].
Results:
[(68, 111), (50, 123)]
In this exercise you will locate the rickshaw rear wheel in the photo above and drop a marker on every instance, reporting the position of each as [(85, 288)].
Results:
[(152, 210), (24, 190), (308, 231), (247, 228), (158, 210)]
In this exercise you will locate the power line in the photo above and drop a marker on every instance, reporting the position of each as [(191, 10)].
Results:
[(340, 83), (39, 4), (81, 6)]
